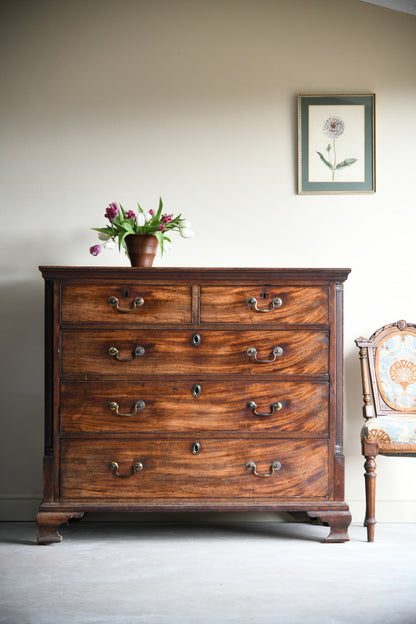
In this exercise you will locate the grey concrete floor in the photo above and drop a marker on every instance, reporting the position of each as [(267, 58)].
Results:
[(260, 573)]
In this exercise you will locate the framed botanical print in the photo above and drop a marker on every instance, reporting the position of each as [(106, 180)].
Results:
[(336, 143)]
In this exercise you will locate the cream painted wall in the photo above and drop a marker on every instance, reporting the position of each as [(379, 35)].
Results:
[(196, 101)]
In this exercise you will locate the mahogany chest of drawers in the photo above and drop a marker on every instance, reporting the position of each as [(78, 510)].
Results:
[(193, 389)]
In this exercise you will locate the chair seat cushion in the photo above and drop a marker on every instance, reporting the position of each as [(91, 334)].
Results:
[(391, 433)]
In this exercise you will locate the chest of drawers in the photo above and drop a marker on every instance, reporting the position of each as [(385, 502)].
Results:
[(193, 389)]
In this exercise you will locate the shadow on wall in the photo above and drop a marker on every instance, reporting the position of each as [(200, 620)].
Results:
[(21, 422), (354, 482), (353, 418)]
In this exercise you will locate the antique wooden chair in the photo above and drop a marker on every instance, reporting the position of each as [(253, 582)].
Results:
[(388, 367)]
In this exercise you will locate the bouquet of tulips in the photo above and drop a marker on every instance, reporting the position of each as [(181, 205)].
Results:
[(123, 222)]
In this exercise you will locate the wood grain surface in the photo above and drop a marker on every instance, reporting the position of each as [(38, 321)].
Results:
[(229, 304), (170, 406), (162, 304), (171, 352), (172, 471)]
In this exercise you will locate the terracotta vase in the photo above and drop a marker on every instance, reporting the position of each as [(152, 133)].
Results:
[(141, 249)]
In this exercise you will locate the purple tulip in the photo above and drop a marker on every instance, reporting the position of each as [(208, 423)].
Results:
[(130, 214), (112, 211), (95, 250)]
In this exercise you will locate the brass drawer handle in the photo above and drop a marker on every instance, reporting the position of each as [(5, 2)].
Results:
[(136, 467), (276, 303), (136, 303), (251, 467), (114, 407), (275, 407), (138, 352), (252, 352)]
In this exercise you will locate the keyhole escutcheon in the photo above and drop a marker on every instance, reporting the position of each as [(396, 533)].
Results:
[(195, 339), (196, 390), (195, 448)]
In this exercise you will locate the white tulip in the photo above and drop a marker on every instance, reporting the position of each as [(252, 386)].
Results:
[(147, 216), (186, 224), (109, 244), (167, 246), (140, 219), (186, 232)]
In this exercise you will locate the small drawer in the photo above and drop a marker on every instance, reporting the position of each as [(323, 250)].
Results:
[(133, 353), (195, 405), (206, 468), (267, 304), (126, 304)]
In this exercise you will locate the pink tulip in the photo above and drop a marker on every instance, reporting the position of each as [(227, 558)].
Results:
[(112, 211)]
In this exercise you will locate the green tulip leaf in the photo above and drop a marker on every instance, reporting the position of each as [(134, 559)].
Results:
[(159, 235), (127, 227), (121, 241), (159, 210), (106, 230)]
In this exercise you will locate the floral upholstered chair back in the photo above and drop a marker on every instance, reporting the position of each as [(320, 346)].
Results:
[(388, 362)]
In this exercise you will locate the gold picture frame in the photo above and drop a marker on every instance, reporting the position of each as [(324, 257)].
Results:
[(336, 143)]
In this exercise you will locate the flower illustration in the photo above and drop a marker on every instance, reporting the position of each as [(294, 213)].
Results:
[(333, 128)]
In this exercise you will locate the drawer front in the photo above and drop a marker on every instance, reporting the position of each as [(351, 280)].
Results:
[(129, 303), (170, 406), (87, 353), (171, 471), (268, 304)]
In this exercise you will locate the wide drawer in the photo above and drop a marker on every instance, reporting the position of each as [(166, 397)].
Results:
[(103, 352), (129, 303), (171, 471), (264, 304), (170, 406)]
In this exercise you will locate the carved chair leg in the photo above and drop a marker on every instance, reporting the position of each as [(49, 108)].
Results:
[(370, 495), (49, 523)]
